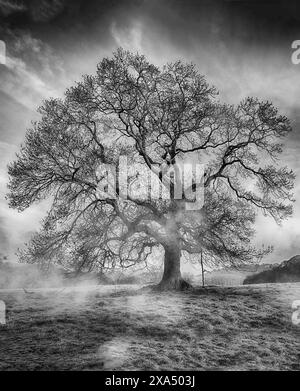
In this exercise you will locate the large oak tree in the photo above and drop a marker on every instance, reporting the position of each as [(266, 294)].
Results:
[(157, 118)]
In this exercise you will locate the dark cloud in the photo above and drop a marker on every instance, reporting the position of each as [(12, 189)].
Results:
[(45, 10), (38, 10), (238, 24), (8, 7)]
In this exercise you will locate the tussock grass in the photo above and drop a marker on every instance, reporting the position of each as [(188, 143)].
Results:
[(223, 328)]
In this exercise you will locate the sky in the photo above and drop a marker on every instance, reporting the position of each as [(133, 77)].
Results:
[(241, 47)]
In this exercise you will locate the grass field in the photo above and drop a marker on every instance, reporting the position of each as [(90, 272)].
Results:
[(242, 328)]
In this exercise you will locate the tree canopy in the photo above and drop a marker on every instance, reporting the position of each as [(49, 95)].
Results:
[(156, 117)]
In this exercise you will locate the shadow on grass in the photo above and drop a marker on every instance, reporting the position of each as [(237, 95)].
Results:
[(204, 328)]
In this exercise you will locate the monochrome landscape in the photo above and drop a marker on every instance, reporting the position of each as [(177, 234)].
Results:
[(149, 185)]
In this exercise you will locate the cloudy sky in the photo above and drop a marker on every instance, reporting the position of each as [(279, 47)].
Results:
[(242, 47)]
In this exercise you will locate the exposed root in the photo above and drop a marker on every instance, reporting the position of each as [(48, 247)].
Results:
[(177, 284)]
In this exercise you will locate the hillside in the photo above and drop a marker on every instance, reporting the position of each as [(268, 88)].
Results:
[(110, 328), (287, 271), (230, 276)]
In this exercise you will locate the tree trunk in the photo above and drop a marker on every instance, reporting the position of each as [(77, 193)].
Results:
[(172, 279)]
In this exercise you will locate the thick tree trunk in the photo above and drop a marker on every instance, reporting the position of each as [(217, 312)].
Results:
[(172, 279)]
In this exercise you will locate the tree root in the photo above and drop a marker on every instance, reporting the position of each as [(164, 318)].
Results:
[(177, 284)]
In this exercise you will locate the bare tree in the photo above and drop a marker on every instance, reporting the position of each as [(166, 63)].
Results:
[(157, 118)]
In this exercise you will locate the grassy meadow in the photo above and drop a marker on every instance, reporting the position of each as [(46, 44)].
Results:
[(126, 328)]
